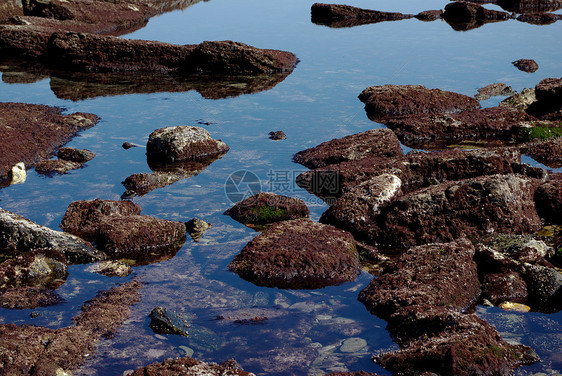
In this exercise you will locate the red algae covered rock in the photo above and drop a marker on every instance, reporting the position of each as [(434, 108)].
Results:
[(264, 208), (548, 199), (466, 208), (298, 254), (432, 274), (190, 367), (375, 143), (526, 65), (398, 100), (32, 133), (547, 152), (140, 237), (84, 218)]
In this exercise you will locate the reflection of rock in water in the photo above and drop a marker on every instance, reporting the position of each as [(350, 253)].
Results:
[(530, 6)]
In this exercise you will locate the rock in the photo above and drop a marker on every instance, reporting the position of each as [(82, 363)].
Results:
[(517, 307), (547, 152), (46, 350), (10, 9), (436, 339), (353, 345), (277, 135), (28, 297), (196, 227), (19, 234), (190, 367), (17, 175), (140, 237), (545, 287), (548, 200), (530, 6), (356, 210), (183, 143), (508, 287), (526, 65), (462, 11), (164, 321), (228, 57), (520, 101), (298, 254), (549, 100), (336, 15), (429, 15), (504, 252), (466, 208), (75, 155), (493, 122), (493, 90), (416, 170), (265, 208), (539, 18), (84, 218), (127, 145), (111, 268), (32, 133), (37, 268), (432, 274), (375, 143), (382, 102), (58, 166)]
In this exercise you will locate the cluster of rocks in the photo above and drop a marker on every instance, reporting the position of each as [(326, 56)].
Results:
[(459, 15), (68, 159)]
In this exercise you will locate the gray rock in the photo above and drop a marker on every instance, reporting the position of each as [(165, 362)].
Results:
[(164, 321), (18, 234)]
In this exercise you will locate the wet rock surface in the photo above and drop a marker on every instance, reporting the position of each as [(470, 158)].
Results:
[(75, 155), (21, 235), (164, 321), (394, 100), (52, 351), (28, 297), (374, 143), (277, 135), (335, 15), (191, 367), (493, 90), (111, 268), (266, 208), (298, 254), (33, 133), (431, 274), (53, 167), (196, 228), (526, 65), (548, 198), (40, 268)]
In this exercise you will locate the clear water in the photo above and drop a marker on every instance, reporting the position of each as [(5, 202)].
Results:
[(317, 102)]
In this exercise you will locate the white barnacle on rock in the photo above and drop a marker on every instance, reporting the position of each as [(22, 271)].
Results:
[(18, 174), (389, 186)]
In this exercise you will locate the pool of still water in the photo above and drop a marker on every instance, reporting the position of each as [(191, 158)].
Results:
[(317, 102)]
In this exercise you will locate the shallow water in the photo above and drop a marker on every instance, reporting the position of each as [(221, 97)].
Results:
[(317, 102)]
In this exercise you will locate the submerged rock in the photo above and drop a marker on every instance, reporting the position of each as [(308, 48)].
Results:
[(57, 166), (191, 367), (383, 102), (164, 321), (336, 15), (32, 133), (84, 218), (432, 274), (34, 268), (375, 143), (75, 155), (183, 143), (196, 227), (265, 208), (298, 254), (28, 297), (111, 268), (19, 234), (526, 65)]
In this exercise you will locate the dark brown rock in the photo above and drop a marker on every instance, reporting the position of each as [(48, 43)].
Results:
[(432, 274), (416, 170), (467, 208), (190, 367), (493, 90), (539, 18), (75, 155), (28, 297), (164, 321), (336, 15), (429, 15), (530, 6), (375, 143), (18, 235), (48, 351), (140, 237), (56, 166), (547, 152), (127, 145), (44, 268), (265, 208), (277, 135), (463, 11), (548, 200), (24, 41), (32, 133), (526, 65), (298, 254), (493, 122), (507, 287), (545, 287), (449, 343), (84, 218), (393, 100), (196, 227), (183, 143)]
